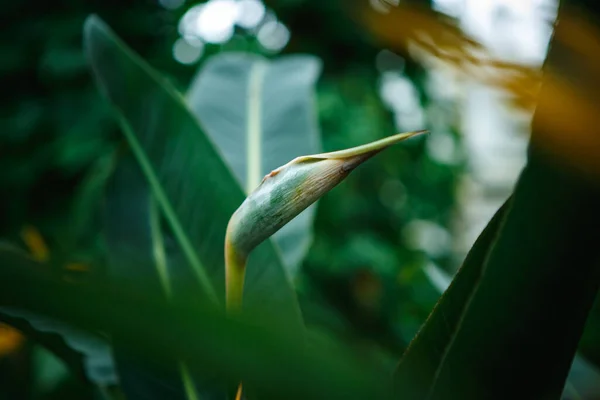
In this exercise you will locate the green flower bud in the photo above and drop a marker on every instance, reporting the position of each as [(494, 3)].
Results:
[(291, 188)]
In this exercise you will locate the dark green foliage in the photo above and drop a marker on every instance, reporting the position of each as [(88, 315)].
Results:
[(417, 371), (530, 299), (204, 337), (132, 190), (183, 170)]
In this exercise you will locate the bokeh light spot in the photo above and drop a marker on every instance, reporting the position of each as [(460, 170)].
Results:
[(251, 13), (186, 53), (273, 36)]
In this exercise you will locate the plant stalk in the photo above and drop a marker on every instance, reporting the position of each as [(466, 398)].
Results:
[(235, 272)]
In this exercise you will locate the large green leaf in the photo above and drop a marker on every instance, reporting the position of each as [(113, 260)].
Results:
[(130, 212), (417, 370), (510, 322), (141, 248), (518, 334), (261, 114), (520, 330), (583, 381), (271, 360), (142, 245), (194, 189), (131, 215)]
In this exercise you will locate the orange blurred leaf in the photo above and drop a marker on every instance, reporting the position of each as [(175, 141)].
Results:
[(10, 340), (35, 243)]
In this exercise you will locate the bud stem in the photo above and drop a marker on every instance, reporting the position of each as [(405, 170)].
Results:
[(235, 271)]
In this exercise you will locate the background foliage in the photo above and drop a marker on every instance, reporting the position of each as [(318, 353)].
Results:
[(362, 282)]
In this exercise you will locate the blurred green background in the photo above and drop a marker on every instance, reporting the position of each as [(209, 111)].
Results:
[(375, 235)]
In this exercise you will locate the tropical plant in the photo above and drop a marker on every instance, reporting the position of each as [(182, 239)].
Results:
[(188, 223)]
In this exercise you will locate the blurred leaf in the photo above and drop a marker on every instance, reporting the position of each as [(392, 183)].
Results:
[(87, 199), (509, 310), (10, 340), (35, 243), (522, 324), (187, 183), (567, 112), (90, 352), (141, 249), (61, 62), (128, 228), (590, 341), (519, 331), (87, 354), (571, 75), (129, 231), (268, 357), (49, 371), (416, 373), (583, 381), (260, 114), (195, 191), (404, 24), (515, 312)]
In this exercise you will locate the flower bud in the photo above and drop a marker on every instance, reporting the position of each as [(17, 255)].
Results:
[(291, 188)]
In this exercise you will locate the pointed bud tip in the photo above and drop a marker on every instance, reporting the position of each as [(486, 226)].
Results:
[(371, 147), (291, 188)]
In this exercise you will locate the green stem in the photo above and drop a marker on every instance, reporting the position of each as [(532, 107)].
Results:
[(235, 271)]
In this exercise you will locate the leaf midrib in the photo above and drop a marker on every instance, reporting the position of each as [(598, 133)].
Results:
[(254, 126), (160, 262), (166, 207)]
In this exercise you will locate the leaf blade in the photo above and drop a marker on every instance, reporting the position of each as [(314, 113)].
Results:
[(273, 362), (187, 167), (514, 312), (272, 105), (179, 172), (583, 380), (418, 367)]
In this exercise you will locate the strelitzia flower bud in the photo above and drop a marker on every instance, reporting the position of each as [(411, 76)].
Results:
[(282, 195)]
